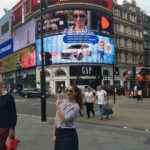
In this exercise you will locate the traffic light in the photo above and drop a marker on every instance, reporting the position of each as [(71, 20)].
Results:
[(48, 60), (116, 71), (105, 72), (134, 72), (44, 4)]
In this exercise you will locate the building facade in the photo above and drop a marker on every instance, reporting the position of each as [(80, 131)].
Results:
[(5, 27), (25, 31), (146, 33), (128, 31)]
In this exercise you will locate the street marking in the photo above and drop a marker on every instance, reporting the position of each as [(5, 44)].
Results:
[(34, 116), (125, 127)]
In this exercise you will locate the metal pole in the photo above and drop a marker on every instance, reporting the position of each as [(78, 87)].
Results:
[(43, 90), (114, 83), (19, 78)]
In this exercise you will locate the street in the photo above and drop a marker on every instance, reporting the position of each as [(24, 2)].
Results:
[(127, 111), (36, 135), (127, 129)]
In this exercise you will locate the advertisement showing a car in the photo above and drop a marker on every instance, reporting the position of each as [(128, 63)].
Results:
[(77, 51), (93, 43)]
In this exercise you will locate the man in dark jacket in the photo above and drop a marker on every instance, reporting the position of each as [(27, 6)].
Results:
[(8, 116)]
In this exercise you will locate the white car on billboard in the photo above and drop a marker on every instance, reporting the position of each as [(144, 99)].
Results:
[(76, 51)]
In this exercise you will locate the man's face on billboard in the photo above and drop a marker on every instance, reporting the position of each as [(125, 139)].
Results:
[(79, 18)]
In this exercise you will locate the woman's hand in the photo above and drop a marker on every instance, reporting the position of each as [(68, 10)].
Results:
[(54, 139), (60, 113), (12, 133), (57, 103)]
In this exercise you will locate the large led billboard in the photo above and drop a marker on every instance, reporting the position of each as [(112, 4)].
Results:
[(77, 36), (26, 57), (24, 36)]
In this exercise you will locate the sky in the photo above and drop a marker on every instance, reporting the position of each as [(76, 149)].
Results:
[(144, 4)]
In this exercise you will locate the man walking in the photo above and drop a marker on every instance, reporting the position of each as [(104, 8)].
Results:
[(101, 96)]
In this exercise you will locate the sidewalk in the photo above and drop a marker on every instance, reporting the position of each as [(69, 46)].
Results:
[(127, 113)]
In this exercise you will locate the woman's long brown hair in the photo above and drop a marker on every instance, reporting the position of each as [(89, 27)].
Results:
[(78, 96)]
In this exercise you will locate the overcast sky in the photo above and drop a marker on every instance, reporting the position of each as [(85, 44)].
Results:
[(144, 4)]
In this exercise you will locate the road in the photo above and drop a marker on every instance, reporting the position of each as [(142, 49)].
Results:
[(32, 106)]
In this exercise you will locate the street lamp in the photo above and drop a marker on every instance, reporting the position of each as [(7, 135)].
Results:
[(114, 97), (19, 66), (42, 75)]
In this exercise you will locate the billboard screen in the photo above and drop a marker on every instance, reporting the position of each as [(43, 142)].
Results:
[(75, 36), (6, 48), (24, 36), (26, 57), (104, 3)]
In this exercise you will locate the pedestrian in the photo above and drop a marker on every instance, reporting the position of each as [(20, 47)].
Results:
[(65, 136), (139, 94), (49, 90), (101, 96), (8, 117), (89, 100)]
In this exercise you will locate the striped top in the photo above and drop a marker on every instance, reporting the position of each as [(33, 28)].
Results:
[(70, 111)]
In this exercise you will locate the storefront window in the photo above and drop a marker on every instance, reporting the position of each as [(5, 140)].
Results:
[(60, 73), (47, 74), (60, 87)]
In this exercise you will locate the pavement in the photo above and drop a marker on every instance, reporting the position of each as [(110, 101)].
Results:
[(128, 114)]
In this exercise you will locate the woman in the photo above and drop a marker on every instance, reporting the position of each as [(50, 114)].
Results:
[(64, 130), (80, 20), (8, 117), (89, 100)]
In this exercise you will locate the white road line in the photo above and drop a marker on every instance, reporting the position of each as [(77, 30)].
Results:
[(51, 118), (125, 127)]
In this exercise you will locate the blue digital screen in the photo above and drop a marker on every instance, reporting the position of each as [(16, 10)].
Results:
[(69, 49)]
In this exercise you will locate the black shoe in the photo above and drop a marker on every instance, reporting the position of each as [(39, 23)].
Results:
[(81, 115)]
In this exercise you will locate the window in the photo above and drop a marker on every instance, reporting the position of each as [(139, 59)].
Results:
[(27, 8), (60, 86), (117, 83), (35, 5), (5, 28), (60, 73), (17, 16), (47, 74)]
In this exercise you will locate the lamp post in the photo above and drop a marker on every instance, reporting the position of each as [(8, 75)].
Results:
[(19, 66), (42, 75), (114, 87)]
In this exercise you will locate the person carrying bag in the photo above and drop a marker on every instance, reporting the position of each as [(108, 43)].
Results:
[(12, 143)]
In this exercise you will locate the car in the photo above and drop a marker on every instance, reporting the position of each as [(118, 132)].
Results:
[(77, 51), (32, 92)]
